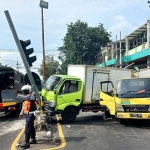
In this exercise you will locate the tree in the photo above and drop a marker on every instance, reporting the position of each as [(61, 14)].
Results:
[(82, 44), (52, 66)]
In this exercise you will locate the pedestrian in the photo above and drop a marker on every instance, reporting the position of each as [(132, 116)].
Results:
[(28, 108)]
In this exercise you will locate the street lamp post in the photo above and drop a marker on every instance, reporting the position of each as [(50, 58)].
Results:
[(43, 4)]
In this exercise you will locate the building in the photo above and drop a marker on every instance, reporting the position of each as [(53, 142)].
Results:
[(134, 48)]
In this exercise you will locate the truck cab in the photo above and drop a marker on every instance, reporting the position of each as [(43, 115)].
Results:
[(64, 94), (130, 100)]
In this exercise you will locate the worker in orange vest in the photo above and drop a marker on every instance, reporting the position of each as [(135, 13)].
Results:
[(28, 108)]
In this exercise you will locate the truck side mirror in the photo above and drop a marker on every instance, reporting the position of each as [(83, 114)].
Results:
[(54, 91), (51, 87)]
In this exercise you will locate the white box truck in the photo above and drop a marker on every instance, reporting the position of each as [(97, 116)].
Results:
[(143, 73)]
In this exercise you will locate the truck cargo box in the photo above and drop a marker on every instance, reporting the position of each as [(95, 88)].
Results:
[(143, 72), (93, 75)]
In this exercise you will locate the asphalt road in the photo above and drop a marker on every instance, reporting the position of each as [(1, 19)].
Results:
[(88, 132), (9, 129), (91, 132)]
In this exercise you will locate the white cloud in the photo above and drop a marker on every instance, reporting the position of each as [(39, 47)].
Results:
[(121, 24), (52, 46), (123, 15), (26, 15)]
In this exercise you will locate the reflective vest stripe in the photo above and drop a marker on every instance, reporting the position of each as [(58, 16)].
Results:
[(26, 106)]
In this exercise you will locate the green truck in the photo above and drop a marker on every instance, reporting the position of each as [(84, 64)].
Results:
[(79, 89)]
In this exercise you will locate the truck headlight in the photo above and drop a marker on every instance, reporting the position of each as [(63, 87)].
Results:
[(52, 104), (119, 108)]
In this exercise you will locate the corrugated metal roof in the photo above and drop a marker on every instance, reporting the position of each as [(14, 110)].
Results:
[(138, 31)]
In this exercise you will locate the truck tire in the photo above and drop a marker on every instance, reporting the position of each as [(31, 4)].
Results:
[(69, 114), (16, 113), (123, 121), (95, 111), (5, 110)]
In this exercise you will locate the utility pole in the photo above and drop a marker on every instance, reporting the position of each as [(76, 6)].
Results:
[(116, 52), (44, 67), (17, 64), (52, 58), (120, 52)]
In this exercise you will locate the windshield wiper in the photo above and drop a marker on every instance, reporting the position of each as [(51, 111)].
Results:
[(140, 92), (127, 92)]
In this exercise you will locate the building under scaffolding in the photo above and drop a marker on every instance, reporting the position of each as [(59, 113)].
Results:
[(135, 47)]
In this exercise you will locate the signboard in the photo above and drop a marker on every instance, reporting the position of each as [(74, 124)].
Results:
[(44, 4)]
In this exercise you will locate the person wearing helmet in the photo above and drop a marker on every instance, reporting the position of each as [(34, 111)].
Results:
[(28, 107)]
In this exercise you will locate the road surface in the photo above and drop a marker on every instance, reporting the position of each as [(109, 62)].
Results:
[(89, 131), (9, 129)]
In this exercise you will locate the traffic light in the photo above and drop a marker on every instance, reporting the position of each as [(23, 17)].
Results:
[(35, 77), (27, 52)]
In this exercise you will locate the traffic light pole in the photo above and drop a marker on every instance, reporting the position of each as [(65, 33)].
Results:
[(22, 55), (43, 46)]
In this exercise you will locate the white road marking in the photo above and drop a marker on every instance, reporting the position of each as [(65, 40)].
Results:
[(5, 122), (11, 126)]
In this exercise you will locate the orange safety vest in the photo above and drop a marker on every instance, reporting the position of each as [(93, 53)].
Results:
[(27, 106)]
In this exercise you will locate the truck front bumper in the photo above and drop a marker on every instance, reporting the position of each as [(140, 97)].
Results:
[(124, 115)]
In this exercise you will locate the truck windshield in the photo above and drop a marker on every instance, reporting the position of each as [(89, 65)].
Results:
[(134, 88), (52, 83)]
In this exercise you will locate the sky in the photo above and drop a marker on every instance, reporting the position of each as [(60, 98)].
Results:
[(115, 15)]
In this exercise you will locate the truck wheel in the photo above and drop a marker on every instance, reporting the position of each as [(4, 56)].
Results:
[(95, 111), (123, 121), (69, 114), (16, 113), (5, 110)]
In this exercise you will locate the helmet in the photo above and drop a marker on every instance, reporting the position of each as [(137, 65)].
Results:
[(26, 88)]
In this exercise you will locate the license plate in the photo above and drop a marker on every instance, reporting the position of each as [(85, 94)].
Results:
[(135, 115), (125, 102)]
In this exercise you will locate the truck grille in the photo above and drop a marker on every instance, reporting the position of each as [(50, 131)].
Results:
[(135, 108)]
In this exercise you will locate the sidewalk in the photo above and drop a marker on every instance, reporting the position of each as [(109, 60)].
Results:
[(44, 141)]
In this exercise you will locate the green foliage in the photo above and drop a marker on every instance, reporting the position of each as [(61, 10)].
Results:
[(52, 66), (1, 65), (82, 44)]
